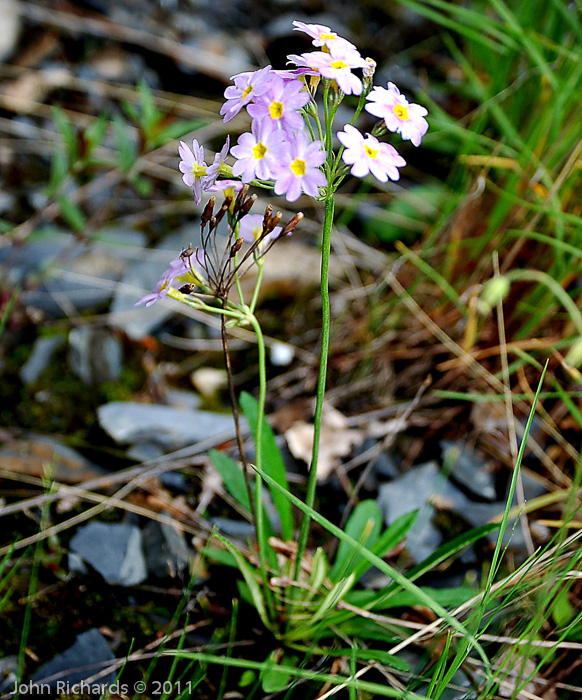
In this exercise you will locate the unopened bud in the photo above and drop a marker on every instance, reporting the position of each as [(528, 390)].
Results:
[(495, 291), (574, 354), (369, 70)]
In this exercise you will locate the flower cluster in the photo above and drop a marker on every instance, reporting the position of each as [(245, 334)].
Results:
[(279, 150)]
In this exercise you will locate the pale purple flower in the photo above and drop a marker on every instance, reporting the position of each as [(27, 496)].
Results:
[(321, 35), (400, 116), (179, 267), (368, 155), (280, 103), (193, 167), (213, 171), (336, 65), (247, 86), (302, 171), (259, 153), (251, 228), (224, 185)]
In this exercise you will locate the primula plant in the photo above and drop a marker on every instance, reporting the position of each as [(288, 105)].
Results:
[(294, 148)]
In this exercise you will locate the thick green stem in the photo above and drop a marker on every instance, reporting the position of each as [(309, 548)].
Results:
[(324, 351), (260, 511)]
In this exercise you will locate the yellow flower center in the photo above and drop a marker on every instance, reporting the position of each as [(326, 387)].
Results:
[(276, 110), (401, 112), (328, 37), (259, 151), (371, 152), (336, 65), (247, 91), (198, 170), (164, 285), (257, 232), (298, 167)]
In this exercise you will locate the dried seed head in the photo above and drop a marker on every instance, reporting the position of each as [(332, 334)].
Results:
[(187, 253), (247, 206), (208, 211), (267, 216), (242, 195), (187, 288), (223, 209), (236, 246), (291, 225)]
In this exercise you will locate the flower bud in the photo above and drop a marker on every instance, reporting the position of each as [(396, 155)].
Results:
[(495, 291), (574, 354)]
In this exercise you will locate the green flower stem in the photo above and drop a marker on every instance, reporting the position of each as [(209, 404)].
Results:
[(255, 298), (324, 351), (260, 511)]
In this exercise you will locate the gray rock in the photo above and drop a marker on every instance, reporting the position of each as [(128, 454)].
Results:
[(8, 671), (95, 355), (145, 451), (171, 428), (174, 481), (43, 351), (41, 456), (182, 398), (113, 550), (88, 655), (141, 278), (234, 528), (413, 490), (469, 469), (165, 550)]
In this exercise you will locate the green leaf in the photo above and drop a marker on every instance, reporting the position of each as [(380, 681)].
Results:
[(219, 555), (326, 606), (273, 462), (251, 579), (67, 131), (374, 600), (72, 214), (364, 526), (95, 133), (362, 655), (247, 678), (232, 477), (449, 548), (393, 535), (126, 149), (59, 172), (272, 680), (399, 578), (149, 113)]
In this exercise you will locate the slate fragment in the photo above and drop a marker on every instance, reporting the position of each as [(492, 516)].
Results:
[(415, 489), (113, 550), (43, 456), (165, 550), (88, 655), (171, 428), (469, 469)]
